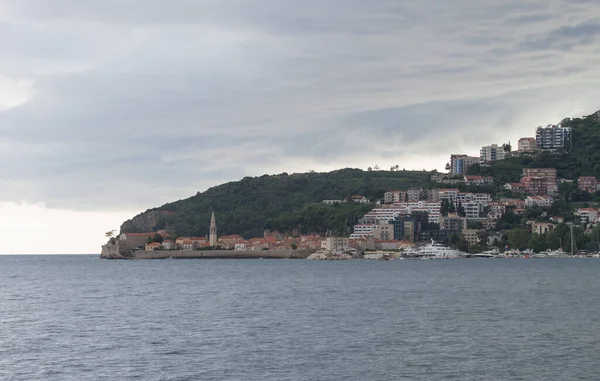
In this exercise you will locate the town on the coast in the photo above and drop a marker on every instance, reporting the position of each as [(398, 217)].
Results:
[(453, 215)]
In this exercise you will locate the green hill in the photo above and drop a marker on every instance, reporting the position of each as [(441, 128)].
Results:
[(580, 158), (278, 202)]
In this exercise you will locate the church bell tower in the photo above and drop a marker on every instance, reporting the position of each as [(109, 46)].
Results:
[(212, 238)]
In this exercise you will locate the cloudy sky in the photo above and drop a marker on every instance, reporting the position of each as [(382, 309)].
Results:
[(111, 107)]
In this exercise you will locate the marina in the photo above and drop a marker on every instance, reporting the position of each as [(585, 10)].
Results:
[(434, 250)]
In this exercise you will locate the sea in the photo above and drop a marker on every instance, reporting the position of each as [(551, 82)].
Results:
[(82, 318)]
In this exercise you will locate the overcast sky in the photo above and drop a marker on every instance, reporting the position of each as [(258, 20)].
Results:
[(111, 107)]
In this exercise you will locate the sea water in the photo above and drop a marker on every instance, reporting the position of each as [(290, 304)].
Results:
[(82, 318)]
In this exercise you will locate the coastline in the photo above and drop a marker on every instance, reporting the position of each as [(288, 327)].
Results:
[(204, 254)]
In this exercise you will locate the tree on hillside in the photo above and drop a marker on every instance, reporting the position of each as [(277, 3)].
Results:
[(444, 208), (537, 242), (483, 236), (157, 238), (451, 207), (518, 238), (244, 207), (566, 189), (507, 147)]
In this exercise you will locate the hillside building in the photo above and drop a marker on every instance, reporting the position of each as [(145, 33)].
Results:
[(460, 163), (491, 153), (552, 137), (453, 222), (587, 184), (394, 196), (541, 201), (527, 145), (335, 244), (549, 178)]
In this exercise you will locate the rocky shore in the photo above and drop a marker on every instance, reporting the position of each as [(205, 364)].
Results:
[(329, 257)]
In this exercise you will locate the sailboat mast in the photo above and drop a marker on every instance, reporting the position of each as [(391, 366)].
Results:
[(572, 243)]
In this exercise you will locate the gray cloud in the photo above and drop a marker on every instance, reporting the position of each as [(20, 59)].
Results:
[(138, 103)]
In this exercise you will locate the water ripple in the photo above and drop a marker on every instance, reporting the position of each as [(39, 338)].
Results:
[(78, 318)]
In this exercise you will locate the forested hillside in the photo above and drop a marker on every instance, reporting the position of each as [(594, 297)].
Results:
[(249, 206)]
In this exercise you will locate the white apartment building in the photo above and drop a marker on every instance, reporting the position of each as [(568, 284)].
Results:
[(492, 153), (472, 209), (551, 137), (364, 229), (432, 208), (543, 201), (496, 210), (587, 214), (449, 194), (482, 198)]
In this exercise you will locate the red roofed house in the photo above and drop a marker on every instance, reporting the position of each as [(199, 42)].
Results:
[(359, 200), (179, 241), (199, 240), (229, 241), (153, 246)]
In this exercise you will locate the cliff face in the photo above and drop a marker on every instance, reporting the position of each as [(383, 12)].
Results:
[(115, 249), (144, 222)]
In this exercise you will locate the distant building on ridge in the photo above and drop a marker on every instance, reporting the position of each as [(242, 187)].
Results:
[(460, 163), (552, 137)]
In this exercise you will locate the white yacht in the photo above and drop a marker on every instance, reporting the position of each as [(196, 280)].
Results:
[(494, 253), (556, 253), (485, 254), (437, 251)]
